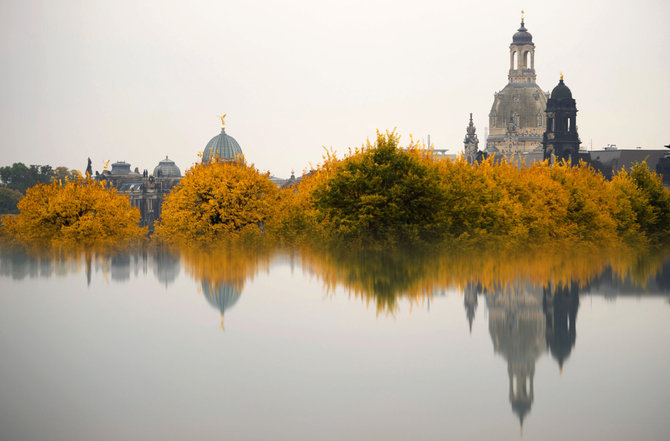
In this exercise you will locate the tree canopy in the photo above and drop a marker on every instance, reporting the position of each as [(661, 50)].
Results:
[(81, 211), (20, 177), (218, 201), (8, 200), (384, 193)]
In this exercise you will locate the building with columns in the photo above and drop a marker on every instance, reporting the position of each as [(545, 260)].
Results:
[(517, 117), (561, 140)]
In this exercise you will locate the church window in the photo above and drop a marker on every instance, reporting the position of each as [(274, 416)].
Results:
[(539, 120)]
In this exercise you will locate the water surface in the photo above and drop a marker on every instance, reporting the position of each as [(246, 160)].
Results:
[(304, 345)]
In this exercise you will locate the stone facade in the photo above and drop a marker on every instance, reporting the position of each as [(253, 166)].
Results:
[(145, 191), (517, 120), (471, 143), (561, 140)]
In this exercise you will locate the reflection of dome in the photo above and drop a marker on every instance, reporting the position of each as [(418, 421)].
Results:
[(222, 147), (522, 36), (167, 169), (222, 297)]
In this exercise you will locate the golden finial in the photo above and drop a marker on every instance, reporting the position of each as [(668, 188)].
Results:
[(223, 121), (522, 15), (561, 76), (106, 164)]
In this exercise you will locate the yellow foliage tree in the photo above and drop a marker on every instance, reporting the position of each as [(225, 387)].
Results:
[(218, 201), (81, 211), (383, 194)]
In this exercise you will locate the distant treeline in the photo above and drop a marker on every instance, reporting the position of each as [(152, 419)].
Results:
[(15, 179)]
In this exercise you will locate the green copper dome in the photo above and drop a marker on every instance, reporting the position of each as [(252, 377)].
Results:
[(167, 169), (221, 147)]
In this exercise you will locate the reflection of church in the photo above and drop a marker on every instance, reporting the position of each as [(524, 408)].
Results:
[(560, 306), (525, 322), (517, 326)]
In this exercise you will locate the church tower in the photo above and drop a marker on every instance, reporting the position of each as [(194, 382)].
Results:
[(516, 120), (560, 139), (471, 143)]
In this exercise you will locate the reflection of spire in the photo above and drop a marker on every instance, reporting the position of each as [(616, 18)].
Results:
[(88, 269), (470, 302)]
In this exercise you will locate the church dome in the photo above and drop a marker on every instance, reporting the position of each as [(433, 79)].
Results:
[(522, 36), (222, 146), (221, 297), (561, 91), (167, 169)]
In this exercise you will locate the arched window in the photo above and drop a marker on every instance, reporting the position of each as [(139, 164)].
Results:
[(525, 59), (515, 60), (494, 119), (539, 120)]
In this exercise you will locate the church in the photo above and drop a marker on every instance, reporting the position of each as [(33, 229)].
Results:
[(517, 117)]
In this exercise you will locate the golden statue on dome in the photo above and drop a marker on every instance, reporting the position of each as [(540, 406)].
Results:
[(223, 122)]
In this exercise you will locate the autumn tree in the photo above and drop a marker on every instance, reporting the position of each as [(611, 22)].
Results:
[(383, 193), (649, 200), (81, 211), (218, 201)]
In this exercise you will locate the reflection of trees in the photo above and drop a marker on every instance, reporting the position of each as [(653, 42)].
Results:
[(379, 276), (384, 277), (532, 299)]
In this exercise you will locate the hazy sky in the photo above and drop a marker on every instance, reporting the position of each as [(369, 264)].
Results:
[(138, 80)]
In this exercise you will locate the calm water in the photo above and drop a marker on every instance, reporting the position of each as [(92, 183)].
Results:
[(298, 345)]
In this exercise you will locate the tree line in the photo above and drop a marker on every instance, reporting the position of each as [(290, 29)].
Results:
[(15, 179), (379, 195)]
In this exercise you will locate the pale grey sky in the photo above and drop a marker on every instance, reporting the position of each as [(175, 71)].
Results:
[(138, 80)]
